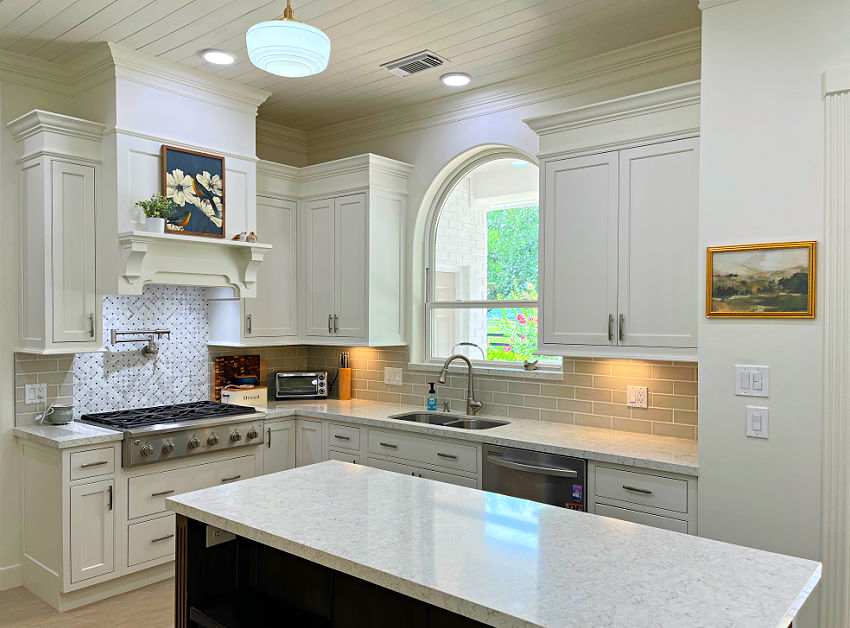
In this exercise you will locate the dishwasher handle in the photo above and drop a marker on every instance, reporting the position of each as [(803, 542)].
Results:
[(528, 468)]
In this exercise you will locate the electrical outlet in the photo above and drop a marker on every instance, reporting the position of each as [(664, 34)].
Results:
[(392, 376), (637, 396), (217, 536), (35, 393)]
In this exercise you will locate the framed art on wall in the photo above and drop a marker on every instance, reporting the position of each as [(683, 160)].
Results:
[(761, 280), (194, 182)]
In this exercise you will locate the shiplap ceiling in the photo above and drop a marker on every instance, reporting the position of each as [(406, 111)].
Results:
[(496, 41)]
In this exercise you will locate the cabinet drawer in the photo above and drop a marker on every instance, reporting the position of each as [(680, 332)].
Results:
[(645, 518), (344, 456), (146, 494), (434, 452), (448, 478), (343, 437), (388, 465), (88, 464), (642, 488), (150, 540)]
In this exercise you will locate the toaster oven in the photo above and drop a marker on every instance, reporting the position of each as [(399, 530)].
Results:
[(300, 385)]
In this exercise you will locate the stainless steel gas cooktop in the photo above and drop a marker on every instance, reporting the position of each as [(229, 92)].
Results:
[(169, 432)]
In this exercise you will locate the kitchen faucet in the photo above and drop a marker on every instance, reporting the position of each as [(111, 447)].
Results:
[(472, 406)]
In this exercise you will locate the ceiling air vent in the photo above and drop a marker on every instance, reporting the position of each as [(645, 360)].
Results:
[(412, 64)]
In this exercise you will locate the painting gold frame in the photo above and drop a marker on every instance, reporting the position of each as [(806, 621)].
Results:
[(812, 257)]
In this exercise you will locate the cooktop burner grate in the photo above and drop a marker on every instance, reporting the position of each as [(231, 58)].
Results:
[(140, 417)]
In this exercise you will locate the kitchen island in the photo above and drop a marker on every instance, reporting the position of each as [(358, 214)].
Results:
[(336, 544)]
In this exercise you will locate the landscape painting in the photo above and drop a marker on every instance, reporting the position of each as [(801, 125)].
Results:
[(194, 183), (761, 280)]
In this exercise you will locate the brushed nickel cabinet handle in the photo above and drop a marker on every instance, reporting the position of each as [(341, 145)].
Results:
[(91, 325), (235, 477), (269, 439), (622, 327), (390, 445), (109, 492), (162, 538), (248, 324), (161, 493), (93, 464), (341, 437), (330, 323), (336, 323), (451, 456), (610, 328), (635, 489)]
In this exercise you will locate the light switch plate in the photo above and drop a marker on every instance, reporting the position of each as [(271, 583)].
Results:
[(752, 380), (392, 376), (757, 420), (637, 396), (35, 393)]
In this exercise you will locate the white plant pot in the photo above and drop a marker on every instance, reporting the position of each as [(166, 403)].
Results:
[(155, 225)]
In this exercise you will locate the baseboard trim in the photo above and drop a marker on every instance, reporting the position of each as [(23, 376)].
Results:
[(10, 577)]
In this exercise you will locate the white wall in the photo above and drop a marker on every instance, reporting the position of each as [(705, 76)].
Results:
[(14, 101), (762, 178)]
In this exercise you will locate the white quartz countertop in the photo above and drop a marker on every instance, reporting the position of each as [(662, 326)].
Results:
[(501, 560), (74, 434), (661, 453)]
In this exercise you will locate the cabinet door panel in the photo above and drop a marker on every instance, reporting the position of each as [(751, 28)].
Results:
[(279, 454), (319, 266), (92, 530), (273, 313), (659, 298), (579, 249), (351, 259), (73, 256), (308, 448)]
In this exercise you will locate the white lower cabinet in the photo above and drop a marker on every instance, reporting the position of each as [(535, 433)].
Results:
[(279, 452), (654, 498), (344, 456), (92, 530), (308, 442), (150, 540)]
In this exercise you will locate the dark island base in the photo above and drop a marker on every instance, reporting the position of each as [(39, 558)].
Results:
[(244, 584)]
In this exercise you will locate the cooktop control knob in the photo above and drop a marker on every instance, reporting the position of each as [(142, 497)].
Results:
[(236, 436), (147, 450), (167, 447), (252, 433), (212, 439), (194, 443)]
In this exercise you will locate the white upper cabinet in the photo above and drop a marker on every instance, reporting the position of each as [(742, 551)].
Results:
[(581, 297), (619, 256), (351, 263), (274, 312), (318, 261), (658, 287), (60, 308)]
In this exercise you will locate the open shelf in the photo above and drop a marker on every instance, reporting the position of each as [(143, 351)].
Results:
[(250, 609)]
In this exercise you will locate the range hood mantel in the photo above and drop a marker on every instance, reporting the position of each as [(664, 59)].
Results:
[(188, 261)]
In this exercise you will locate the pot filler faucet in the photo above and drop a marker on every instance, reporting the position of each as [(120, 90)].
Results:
[(472, 406)]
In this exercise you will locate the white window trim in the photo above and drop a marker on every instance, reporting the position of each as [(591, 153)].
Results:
[(507, 368)]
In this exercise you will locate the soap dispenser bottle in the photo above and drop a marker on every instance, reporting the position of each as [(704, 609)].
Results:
[(432, 398)]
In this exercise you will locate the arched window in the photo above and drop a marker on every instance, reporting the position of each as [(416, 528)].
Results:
[(481, 290)]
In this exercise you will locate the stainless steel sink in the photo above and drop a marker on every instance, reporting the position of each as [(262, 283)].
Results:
[(449, 420)]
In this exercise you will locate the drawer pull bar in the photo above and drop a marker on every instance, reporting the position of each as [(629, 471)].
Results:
[(634, 489), (340, 437), (230, 479), (93, 464), (162, 538), (450, 456), (390, 445), (161, 493), (528, 468)]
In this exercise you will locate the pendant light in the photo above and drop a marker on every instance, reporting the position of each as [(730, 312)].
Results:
[(287, 47)]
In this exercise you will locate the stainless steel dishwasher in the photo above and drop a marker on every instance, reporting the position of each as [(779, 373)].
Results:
[(537, 476)]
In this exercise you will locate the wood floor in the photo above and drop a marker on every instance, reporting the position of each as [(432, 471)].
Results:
[(151, 607)]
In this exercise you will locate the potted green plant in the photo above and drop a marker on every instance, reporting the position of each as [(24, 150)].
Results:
[(157, 210)]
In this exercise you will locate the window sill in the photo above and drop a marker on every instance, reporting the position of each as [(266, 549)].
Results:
[(551, 375)]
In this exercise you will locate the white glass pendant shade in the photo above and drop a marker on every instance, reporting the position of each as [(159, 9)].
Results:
[(288, 48)]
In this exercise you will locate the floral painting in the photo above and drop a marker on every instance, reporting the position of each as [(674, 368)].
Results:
[(762, 280), (194, 182)]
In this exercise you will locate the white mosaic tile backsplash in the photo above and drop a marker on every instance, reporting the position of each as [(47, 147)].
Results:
[(123, 377)]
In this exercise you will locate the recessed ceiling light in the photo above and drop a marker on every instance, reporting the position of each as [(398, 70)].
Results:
[(456, 79), (218, 57), (519, 164)]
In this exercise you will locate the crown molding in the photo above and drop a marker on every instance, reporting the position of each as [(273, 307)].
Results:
[(281, 133), (34, 73), (708, 4), (656, 101), (37, 121), (674, 51)]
